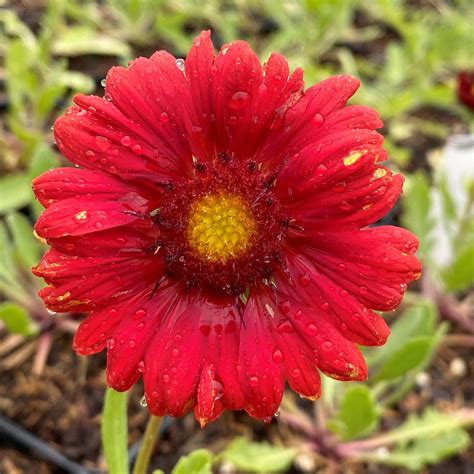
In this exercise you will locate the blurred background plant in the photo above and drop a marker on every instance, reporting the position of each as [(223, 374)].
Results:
[(417, 405)]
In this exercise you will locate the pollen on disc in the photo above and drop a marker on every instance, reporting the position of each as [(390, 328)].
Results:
[(220, 227)]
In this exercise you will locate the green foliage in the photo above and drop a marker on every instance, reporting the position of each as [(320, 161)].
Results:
[(197, 462), (357, 414), (26, 248), (16, 319), (460, 274), (114, 431), (423, 440), (416, 211), (16, 192), (249, 456)]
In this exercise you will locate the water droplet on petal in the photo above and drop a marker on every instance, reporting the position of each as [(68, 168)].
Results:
[(180, 64), (284, 306), (175, 352), (363, 290), (103, 82), (277, 356), (126, 140), (137, 149), (110, 343), (267, 419), (102, 143), (327, 346), (311, 329), (321, 169), (238, 100), (166, 378), (253, 381), (304, 279), (317, 120), (296, 373), (339, 187), (164, 118), (143, 401)]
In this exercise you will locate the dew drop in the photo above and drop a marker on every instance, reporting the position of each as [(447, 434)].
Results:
[(296, 373), (137, 149), (103, 82), (262, 89), (284, 306), (180, 64), (110, 343), (132, 344), (166, 378), (126, 140), (327, 346), (143, 401), (317, 120), (277, 413), (140, 313), (141, 366), (175, 352), (238, 100), (304, 279), (253, 381), (164, 118), (363, 290), (102, 143), (205, 329), (267, 419), (321, 170), (217, 390), (325, 306), (339, 187), (311, 329), (90, 153), (277, 356)]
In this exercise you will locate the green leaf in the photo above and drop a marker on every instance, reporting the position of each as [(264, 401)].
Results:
[(114, 431), (15, 192), (357, 413), (425, 439), (418, 320), (79, 40), (16, 319), (42, 159), (407, 358), (416, 205), (249, 456), (460, 274), (27, 248), (197, 462)]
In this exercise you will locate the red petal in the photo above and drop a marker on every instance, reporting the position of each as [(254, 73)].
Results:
[(155, 95), (115, 242), (351, 318), (65, 183), (177, 356), (261, 377), (237, 101), (95, 134), (84, 284), (129, 341), (82, 216), (92, 334)]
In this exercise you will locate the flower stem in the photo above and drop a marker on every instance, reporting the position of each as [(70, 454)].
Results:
[(148, 443)]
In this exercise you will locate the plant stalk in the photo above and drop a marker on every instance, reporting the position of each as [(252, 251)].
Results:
[(148, 443)]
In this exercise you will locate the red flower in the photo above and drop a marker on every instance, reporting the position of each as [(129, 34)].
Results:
[(466, 88), (216, 230)]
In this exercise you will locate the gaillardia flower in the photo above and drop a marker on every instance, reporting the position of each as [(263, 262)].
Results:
[(216, 230)]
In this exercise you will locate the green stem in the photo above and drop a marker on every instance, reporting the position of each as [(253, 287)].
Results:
[(148, 443)]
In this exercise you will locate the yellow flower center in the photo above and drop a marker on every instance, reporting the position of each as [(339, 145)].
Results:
[(220, 227)]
